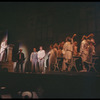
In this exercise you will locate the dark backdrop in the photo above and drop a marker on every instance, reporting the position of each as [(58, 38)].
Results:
[(43, 23)]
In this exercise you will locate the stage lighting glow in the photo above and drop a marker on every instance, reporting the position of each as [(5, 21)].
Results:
[(25, 51)]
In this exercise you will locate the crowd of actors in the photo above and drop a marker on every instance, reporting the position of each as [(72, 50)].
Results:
[(60, 55)]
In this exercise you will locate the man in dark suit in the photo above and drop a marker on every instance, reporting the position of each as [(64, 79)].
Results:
[(20, 60)]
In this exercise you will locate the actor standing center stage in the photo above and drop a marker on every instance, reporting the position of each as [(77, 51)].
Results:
[(41, 55)]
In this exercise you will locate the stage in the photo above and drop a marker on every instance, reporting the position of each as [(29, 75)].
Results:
[(53, 84)]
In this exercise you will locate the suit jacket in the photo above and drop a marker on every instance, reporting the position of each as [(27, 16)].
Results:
[(22, 58)]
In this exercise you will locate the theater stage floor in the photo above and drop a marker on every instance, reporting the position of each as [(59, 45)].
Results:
[(54, 84)]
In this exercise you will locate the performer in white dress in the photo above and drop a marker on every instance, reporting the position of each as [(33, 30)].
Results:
[(3, 48)]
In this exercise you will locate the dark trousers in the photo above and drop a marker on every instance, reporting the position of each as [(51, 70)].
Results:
[(17, 67), (60, 61)]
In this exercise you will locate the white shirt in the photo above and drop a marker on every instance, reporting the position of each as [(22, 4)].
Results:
[(83, 46), (41, 54), (67, 46)]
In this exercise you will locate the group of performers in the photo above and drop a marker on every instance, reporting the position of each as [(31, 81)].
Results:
[(67, 50), (36, 58), (60, 55)]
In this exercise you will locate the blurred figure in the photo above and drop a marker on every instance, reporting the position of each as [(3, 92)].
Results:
[(75, 53), (41, 55), (62, 44), (90, 37), (55, 45), (67, 54), (84, 51), (72, 39), (34, 60), (55, 51), (92, 41), (51, 56), (60, 57), (3, 53), (20, 60), (72, 42), (59, 51), (90, 51)]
